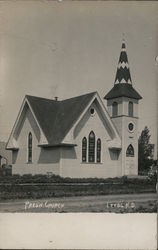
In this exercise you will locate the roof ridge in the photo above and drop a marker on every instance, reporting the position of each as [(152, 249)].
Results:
[(90, 93), (39, 97), (48, 99)]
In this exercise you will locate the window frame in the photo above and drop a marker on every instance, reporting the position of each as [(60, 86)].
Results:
[(84, 150), (98, 153), (91, 147), (114, 109), (29, 148), (130, 152), (130, 109), (131, 130)]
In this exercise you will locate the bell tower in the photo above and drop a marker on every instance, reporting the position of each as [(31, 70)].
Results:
[(122, 103)]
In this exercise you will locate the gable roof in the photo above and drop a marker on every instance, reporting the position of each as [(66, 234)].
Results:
[(57, 117), (123, 89)]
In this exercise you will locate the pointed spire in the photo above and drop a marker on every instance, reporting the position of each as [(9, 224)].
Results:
[(123, 84), (123, 72)]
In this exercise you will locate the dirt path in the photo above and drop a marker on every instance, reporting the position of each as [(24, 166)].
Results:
[(104, 203)]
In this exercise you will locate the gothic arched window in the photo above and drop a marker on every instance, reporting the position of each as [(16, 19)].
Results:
[(98, 150), (84, 149), (130, 151), (114, 109), (30, 148), (91, 153), (130, 108)]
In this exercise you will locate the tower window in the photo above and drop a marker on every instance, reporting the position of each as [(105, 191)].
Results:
[(114, 109), (130, 151), (130, 108), (84, 149), (98, 150), (91, 153), (131, 127), (30, 148)]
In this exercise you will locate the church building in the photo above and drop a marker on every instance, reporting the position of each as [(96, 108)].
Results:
[(79, 137)]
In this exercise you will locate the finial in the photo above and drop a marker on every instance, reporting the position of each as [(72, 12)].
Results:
[(123, 37), (123, 42)]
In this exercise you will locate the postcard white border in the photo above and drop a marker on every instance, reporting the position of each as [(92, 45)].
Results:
[(78, 231)]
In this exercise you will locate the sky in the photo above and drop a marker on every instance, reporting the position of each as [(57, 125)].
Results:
[(67, 48)]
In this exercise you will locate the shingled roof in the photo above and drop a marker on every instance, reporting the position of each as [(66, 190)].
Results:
[(57, 117), (123, 72), (123, 89), (123, 83)]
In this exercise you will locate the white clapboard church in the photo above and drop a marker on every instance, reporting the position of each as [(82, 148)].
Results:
[(79, 137)]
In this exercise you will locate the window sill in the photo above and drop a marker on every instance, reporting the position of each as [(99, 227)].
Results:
[(136, 117), (93, 163)]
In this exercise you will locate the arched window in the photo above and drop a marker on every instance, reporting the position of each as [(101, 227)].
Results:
[(91, 153), (84, 149), (30, 148), (130, 151), (130, 108), (98, 150), (114, 109)]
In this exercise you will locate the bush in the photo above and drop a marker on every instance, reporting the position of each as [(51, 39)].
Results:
[(5, 172), (45, 179)]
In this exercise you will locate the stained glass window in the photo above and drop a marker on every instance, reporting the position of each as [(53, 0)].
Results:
[(91, 153), (98, 150), (84, 149), (30, 148)]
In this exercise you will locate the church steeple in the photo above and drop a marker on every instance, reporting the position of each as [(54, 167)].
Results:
[(123, 72), (122, 105)]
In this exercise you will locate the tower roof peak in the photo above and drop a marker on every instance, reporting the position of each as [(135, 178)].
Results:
[(123, 44), (123, 72)]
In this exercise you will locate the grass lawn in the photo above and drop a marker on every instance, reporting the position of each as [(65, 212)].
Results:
[(37, 187)]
